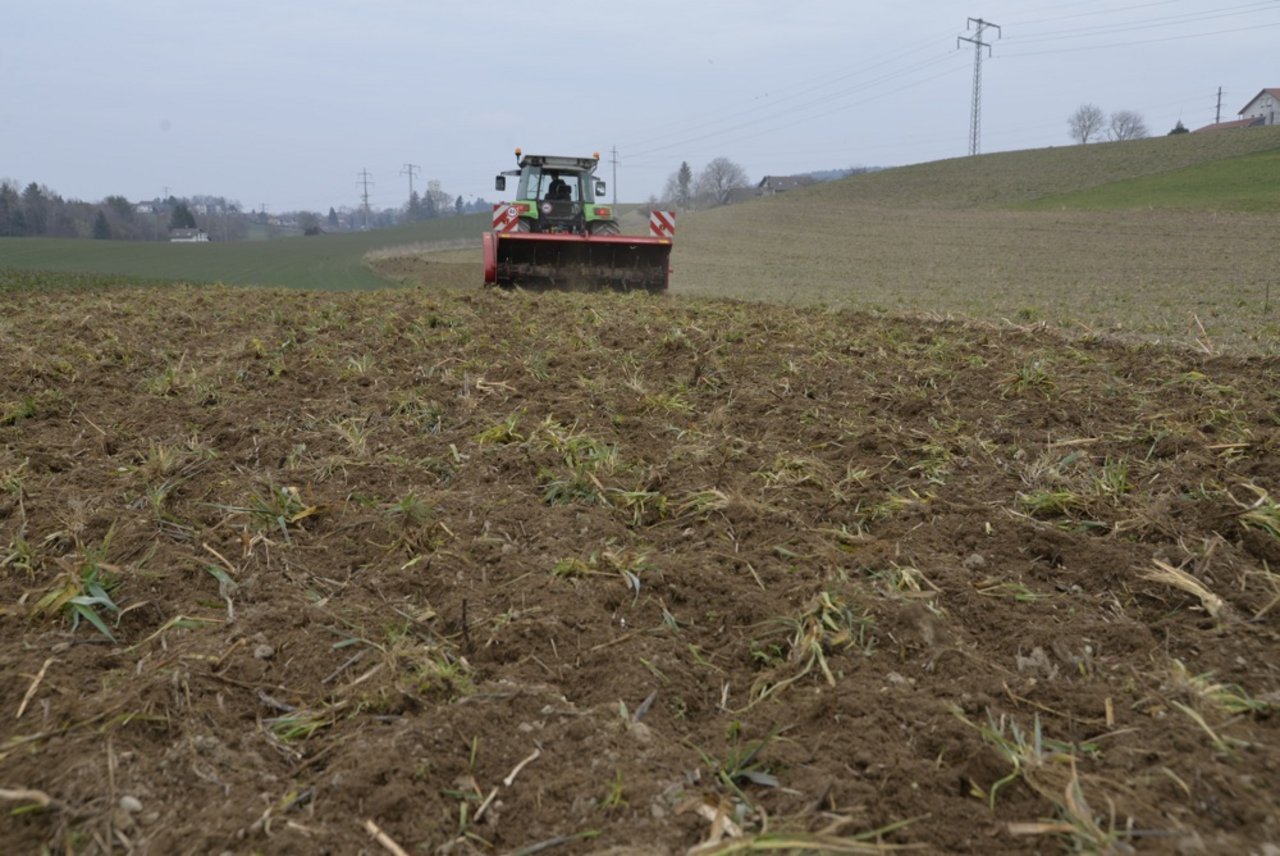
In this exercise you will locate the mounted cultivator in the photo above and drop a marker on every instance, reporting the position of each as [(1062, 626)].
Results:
[(555, 235)]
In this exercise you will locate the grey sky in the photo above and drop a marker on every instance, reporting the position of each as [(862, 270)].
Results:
[(283, 102)]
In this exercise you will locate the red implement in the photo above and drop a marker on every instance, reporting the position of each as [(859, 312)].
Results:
[(576, 262)]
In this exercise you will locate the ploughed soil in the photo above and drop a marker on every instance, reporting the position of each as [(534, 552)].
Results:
[(494, 573)]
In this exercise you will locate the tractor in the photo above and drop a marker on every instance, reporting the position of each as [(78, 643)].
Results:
[(556, 235)]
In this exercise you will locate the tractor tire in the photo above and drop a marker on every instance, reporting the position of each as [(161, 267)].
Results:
[(605, 227), (524, 225)]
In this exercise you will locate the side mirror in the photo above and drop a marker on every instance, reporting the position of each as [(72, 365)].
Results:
[(599, 188), (500, 183)]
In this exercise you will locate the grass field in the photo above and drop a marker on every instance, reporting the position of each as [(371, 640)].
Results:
[(322, 262), (1247, 183), (949, 238), (1007, 178)]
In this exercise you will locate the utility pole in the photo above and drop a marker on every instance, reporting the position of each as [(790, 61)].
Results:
[(411, 169), (1217, 117), (364, 180), (975, 120), (614, 161)]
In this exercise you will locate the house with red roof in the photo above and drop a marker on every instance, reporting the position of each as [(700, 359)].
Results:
[(1263, 109), (1265, 106)]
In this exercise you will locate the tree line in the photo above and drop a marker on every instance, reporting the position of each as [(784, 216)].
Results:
[(722, 181), (711, 187), (38, 212), (1088, 122)]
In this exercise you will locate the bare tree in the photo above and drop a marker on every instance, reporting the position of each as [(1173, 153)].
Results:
[(1127, 125), (717, 180), (1086, 122)]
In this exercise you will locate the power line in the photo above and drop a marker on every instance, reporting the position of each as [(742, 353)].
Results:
[(975, 119), (825, 114), (824, 105), (1109, 45), (752, 105), (1144, 24), (1092, 14), (683, 136)]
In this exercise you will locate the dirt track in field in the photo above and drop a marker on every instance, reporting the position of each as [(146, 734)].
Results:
[(626, 574)]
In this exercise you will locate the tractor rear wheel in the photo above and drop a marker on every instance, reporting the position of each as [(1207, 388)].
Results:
[(605, 227)]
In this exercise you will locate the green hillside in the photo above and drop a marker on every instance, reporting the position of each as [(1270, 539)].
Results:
[(1246, 183), (955, 238), (1013, 177)]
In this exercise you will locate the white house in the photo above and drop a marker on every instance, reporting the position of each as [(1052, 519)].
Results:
[(188, 236), (1265, 106)]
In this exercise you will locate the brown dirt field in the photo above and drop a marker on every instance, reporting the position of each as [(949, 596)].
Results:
[(598, 573)]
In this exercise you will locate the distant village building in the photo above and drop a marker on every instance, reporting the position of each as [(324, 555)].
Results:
[(1263, 109), (1234, 123), (1265, 106), (188, 236), (771, 184)]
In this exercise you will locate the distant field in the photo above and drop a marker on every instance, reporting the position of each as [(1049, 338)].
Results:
[(947, 238), (1170, 239), (320, 262)]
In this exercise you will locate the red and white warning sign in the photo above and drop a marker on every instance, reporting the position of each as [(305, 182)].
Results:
[(506, 218), (662, 224)]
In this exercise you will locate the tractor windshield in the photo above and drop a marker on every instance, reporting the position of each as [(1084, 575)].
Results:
[(554, 185)]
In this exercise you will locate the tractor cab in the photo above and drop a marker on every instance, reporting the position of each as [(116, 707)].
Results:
[(557, 194)]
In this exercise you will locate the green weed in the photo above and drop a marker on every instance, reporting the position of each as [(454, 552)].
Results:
[(83, 592), (502, 434), (1263, 515), (1031, 376)]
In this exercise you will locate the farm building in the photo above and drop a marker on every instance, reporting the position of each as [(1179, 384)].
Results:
[(1234, 123), (771, 184), (1262, 109), (188, 236), (1265, 106)]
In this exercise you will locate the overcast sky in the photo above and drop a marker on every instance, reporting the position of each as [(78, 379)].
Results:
[(284, 102)]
